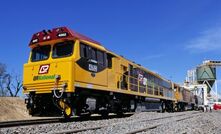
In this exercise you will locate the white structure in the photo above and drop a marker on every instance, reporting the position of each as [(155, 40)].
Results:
[(191, 78)]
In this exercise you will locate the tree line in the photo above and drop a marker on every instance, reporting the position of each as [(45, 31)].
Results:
[(10, 84)]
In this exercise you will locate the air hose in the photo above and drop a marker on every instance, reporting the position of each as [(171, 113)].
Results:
[(58, 96)]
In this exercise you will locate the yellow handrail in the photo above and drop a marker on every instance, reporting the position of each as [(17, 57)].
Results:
[(149, 87)]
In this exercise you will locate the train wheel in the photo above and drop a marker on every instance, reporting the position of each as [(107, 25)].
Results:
[(162, 107), (175, 108), (185, 108), (119, 113), (170, 107), (179, 109), (104, 114), (192, 107)]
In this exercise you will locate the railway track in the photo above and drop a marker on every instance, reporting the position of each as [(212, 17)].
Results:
[(132, 132), (157, 125), (18, 123), (28, 122)]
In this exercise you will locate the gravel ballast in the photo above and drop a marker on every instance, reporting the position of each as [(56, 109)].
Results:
[(191, 122)]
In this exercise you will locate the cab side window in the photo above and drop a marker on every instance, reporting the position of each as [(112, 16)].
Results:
[(84, 50), (93, 54), (100, 57)]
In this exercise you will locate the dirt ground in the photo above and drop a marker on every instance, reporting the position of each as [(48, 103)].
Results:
[(13, 108)]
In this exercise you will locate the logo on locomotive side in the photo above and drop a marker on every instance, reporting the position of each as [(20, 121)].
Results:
[(92, 67), (44, 77), (142, 79), (44, 69)]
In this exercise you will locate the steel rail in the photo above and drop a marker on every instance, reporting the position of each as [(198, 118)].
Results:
[(28, 122), (18, 123)]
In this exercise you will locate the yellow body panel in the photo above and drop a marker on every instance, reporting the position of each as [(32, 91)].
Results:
[(178, 96), (83, 76)]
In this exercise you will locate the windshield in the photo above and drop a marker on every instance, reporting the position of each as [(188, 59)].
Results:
[(40, 53), (63, 49)]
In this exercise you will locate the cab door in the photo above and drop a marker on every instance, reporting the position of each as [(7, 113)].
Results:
[(113, 71)]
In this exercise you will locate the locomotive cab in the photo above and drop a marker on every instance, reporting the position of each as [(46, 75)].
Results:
[(49, 65), (48, 75)]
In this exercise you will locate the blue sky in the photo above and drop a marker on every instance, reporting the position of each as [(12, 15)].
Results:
[(166, 36)]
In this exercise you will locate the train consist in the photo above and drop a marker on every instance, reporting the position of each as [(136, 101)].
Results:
[(68, 73)]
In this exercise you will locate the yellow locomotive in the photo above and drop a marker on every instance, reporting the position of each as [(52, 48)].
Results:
[(185, 99), (68, 73)]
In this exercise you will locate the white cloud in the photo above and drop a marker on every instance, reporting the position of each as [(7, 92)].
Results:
[(209, 40)]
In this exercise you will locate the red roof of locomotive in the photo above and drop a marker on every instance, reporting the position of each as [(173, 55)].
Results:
[(57, 33)]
